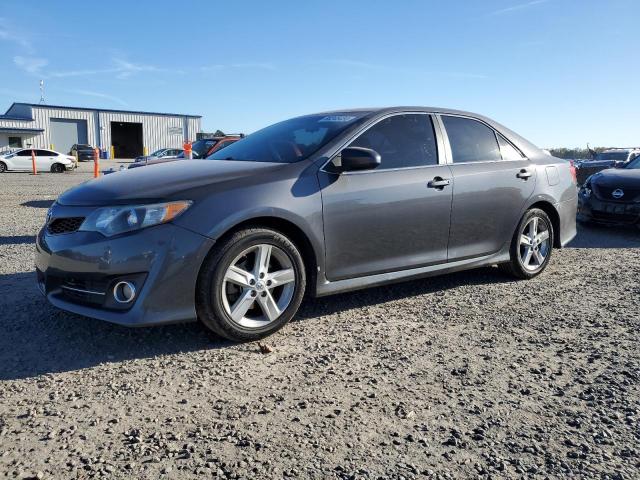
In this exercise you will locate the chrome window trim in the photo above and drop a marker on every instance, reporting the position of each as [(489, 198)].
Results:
[(447, 143), (439, 145)]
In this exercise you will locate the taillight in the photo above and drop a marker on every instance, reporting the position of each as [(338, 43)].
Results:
[(572, 169)]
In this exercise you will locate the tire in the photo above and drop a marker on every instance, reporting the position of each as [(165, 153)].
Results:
[(222, 293), (518, 266), (57, 168), (3, 167)]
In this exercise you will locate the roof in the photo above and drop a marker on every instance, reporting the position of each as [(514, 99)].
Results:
[(20, 130), (63, 107)]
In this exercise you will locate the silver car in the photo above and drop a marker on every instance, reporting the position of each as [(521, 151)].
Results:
[(318, 204)]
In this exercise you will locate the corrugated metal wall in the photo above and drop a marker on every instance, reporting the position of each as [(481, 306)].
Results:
[(158, 131)]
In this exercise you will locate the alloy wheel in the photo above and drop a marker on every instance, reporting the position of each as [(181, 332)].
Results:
[(258, 286), (534, 244)]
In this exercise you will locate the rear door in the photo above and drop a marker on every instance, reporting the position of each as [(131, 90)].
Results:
[(391, 218), (45, 158), (492, 182)]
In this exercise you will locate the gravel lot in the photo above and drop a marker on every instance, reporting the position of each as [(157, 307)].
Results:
[(465, 375)]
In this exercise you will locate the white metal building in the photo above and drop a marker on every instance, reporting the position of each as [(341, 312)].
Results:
[(127, 134)]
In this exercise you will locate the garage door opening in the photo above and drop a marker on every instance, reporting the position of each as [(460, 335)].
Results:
[(126, 139)]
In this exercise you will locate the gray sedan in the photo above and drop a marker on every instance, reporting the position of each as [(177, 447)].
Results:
[(318, 204)]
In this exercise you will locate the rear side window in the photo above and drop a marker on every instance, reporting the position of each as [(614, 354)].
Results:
[(508, 151), (44, 153), (402, 141), (470, 140)]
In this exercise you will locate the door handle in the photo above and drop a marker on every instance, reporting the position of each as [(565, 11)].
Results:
[(524, 174), (439, 183)]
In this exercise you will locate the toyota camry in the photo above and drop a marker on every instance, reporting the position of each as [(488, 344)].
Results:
[(317, 204)]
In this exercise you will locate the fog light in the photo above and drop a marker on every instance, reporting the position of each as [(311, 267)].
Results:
[(124, 292)]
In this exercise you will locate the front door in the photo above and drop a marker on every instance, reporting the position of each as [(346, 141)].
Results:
[(22, 160), (492, 182), (394, 217)]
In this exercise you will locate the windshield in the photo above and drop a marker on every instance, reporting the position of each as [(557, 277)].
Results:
[(289, 141), (634, 164), (611, 156), (158, 152), (82, 145)]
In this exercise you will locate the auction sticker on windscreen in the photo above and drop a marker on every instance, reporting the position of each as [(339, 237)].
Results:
[(337, 118)]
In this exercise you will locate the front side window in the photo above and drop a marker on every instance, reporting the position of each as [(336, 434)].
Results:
[(24, 153), (290, 141), (470, 140), (402, 141)]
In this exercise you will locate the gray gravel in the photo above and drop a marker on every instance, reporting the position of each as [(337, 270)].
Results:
[(465, 375)]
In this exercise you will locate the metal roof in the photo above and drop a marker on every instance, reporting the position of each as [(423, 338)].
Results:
[(40, 105), (20, 130)]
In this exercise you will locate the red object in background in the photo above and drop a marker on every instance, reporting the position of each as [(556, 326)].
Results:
[(33, 162), (96, 163), (187, 149), (572, 169)]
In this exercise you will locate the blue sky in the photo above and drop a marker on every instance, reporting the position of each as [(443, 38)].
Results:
[(559, 72)]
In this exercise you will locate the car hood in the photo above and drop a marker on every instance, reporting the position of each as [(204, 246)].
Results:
[(617, 177), (162, 182)]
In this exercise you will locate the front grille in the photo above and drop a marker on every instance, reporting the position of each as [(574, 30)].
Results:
[(630, 194), (64, 225)]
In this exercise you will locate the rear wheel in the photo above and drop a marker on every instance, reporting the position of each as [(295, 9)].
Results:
[(531, 245), (251, 285), (57, 168), (3, 167)]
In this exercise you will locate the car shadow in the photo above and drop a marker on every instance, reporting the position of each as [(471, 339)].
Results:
[(38, 203), (316, 307), (606, 236), (17, 239), (40, 339)]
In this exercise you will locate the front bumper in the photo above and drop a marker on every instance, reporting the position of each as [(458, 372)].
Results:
[(617, 213), (77, 272)]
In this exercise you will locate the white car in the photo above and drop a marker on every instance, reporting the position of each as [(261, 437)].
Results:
[(46, 161)]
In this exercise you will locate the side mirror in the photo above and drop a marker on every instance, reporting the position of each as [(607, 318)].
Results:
[(356, 158)]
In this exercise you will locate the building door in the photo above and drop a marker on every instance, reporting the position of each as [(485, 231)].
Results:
[(66, 132), (126, 138)]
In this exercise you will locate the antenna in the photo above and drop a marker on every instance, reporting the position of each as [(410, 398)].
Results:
[(42, 91)]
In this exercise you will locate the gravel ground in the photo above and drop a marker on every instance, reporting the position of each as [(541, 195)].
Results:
[(464, 375)]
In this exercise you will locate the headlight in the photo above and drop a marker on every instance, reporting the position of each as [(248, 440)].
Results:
[(111, 221)]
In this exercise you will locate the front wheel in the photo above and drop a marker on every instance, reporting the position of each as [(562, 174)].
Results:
[(3, 167), (531, 245), (251, 285)]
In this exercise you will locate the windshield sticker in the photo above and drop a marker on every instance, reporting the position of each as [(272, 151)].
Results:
[(337, 118)]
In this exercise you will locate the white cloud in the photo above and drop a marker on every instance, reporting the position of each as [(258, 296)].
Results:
[(247, 65), (519, 6), (9, 35), (105, 96), (30, 64)]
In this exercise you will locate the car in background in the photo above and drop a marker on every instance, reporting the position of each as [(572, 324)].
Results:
[(46, 160), (611, 158), (200, 149), (612, 196), (162, 153), (83, 151)]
